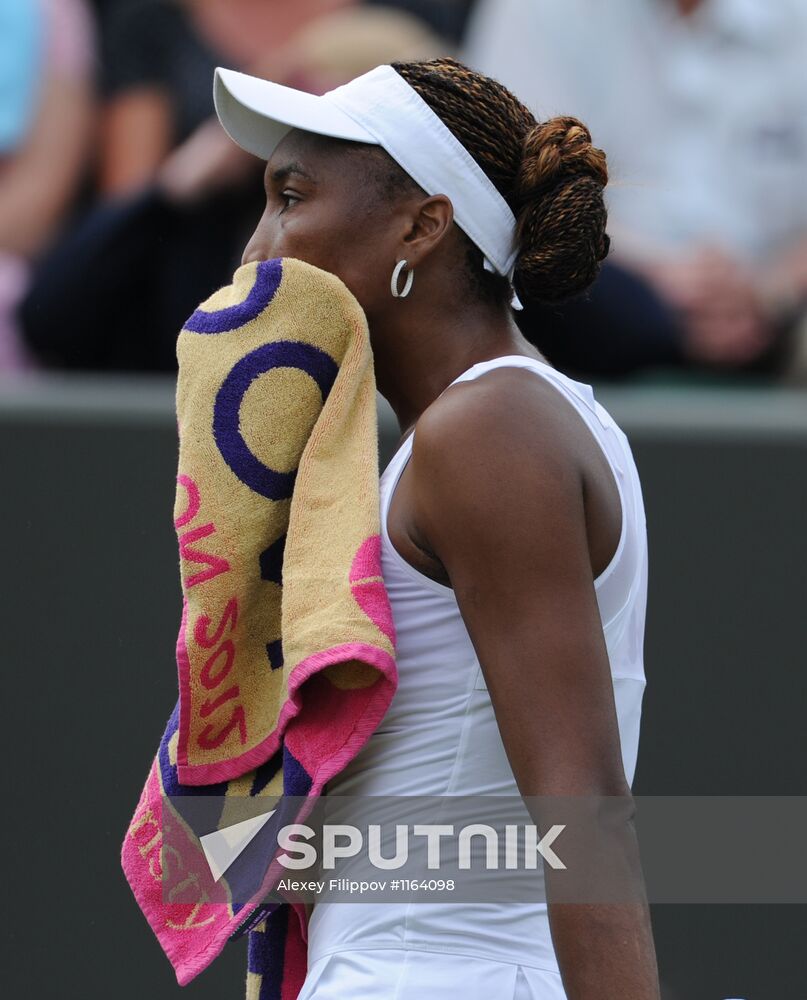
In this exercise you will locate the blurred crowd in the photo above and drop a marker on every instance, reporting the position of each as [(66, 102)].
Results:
[(123, 204)]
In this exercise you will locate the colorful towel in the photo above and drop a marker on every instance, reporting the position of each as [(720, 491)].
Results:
[(286, 649)]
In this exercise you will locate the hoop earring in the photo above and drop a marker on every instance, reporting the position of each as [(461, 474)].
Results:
[(396, 274)]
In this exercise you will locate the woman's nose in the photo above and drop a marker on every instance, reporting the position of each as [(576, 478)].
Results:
[(257, 247), (250, 254)]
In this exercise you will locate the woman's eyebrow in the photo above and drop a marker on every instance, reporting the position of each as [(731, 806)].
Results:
[(280, 174)]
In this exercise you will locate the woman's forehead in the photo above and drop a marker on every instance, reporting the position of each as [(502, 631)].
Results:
[(308, 154)]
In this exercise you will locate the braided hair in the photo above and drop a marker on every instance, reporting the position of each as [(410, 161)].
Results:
[(549, 173)]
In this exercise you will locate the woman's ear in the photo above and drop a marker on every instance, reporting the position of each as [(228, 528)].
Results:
[(429, 227)]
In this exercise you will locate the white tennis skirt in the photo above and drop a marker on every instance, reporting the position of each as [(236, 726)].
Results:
[(411, 974)]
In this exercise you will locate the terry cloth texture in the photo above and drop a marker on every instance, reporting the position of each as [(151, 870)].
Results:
[(286, 649)]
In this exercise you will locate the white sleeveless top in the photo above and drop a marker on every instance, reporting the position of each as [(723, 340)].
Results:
[(440, 737)]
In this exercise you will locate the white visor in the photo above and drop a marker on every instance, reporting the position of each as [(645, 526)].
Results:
[(380, 108)]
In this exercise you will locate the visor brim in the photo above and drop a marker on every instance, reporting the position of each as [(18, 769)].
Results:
[(257, 114)]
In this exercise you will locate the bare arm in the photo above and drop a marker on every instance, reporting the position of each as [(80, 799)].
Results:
[(137, 135), (499, 498), (38, 182)]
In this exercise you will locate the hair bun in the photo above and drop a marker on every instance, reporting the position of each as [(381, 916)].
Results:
[(560, 147), (561, 211)]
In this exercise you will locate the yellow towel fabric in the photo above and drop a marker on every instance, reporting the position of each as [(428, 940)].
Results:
[(286, 647), (274, 477)]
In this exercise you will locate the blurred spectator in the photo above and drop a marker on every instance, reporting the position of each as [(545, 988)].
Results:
[(158, 71), (701, 106), (45, 124), (447, 18), (334, 49), (115, 292), (20, 40)]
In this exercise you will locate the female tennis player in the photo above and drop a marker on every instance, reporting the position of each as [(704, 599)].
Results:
[(513, 529)]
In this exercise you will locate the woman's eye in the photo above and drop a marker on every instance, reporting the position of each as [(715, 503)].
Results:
[(288, 198)]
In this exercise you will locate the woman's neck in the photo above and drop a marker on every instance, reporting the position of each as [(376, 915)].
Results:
[(415, 358)]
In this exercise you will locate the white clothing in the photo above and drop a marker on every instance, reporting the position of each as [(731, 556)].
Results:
[(440, 737), (703, 118), (415, 974)]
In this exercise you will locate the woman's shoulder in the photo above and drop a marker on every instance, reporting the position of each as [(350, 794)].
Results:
[(515, 406)]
